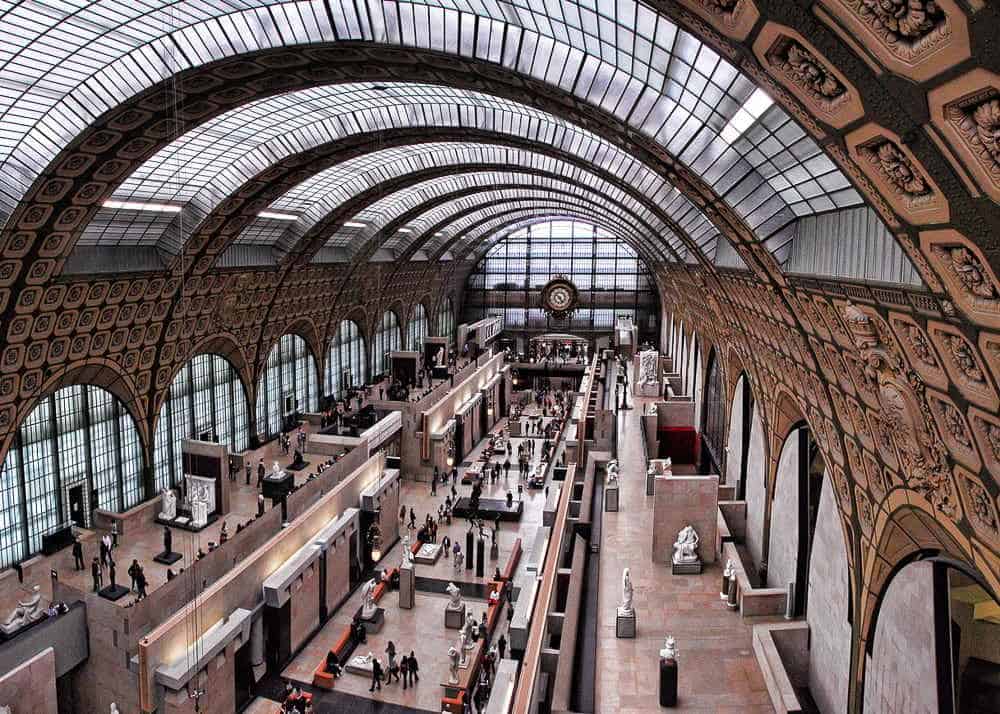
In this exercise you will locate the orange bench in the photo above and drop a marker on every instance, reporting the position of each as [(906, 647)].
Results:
[(454, 704), (322, 678)]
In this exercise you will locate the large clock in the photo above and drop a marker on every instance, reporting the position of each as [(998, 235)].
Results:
[(560, 297)]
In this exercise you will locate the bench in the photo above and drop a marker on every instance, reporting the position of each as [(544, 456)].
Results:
[(512, 561), (455, 704)]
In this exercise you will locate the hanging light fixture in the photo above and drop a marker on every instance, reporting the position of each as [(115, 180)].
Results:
[(375, 541)]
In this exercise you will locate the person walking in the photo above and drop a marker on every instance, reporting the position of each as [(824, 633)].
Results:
[(501, 645), (392, 665), (249, 471), (376, 675), (414, 669), (260, 473), (404, 669), (140, 583), (133, 573), (77, 554)]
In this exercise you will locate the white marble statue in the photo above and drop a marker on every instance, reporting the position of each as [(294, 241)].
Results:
[(199, 514), (686, 546), (26, 612), (439, 357), (168, 505), (626, 606), (467, 629), (406, 556), (669, 650), (453, 660), (368, 607), (730, 569), (454, 597), (5, 709), (114, 708)]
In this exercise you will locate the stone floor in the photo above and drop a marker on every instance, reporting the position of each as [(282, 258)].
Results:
[(717, 668), (421, 629)]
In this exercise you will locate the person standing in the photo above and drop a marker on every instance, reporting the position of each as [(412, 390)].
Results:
[(501, 645), (249, 471), (95, 571), (260, 505), (404, 669), (260, 473), (104, 552), (77, 554), (133, 573), (414, 669), (140, 582), (392, 666)]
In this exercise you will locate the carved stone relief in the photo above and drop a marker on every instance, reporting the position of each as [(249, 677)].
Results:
[(980, 507), (962, 362), (954, 430), (966, 273)]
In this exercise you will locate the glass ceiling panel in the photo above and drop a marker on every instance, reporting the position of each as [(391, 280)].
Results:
[(522, 201), (208, 163), (65, 63), (316, 197)]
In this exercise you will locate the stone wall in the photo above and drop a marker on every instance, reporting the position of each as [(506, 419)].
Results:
[(31, 688), (901, 676), (829, 596), (304, 608), (680, 501), (783, 538), (756, 494)]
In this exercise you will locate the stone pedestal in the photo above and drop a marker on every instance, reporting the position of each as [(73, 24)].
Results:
[(166, 558), (113, 592), (681, 501), (611, 499), (668, 682), (480, 558), (625, 625), (407, 587), (686, 568), (454, 618), (373, 625), (732, 595)]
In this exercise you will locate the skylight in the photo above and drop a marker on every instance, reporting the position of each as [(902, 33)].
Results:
[(755, 106), (142, 206)]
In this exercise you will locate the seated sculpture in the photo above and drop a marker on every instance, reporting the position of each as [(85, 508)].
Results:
[(686, 547), (26, 612)]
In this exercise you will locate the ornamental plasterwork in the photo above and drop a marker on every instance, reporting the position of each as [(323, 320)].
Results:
[(980, 507), (967, 112), (733, 18), (954, 430), (969, 278), (802, 70), (904, 418), (962, 361), (919, 350)]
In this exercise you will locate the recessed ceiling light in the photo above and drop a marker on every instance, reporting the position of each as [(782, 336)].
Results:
[(353, 224), (278, 216), (404, 230), (143, 206)]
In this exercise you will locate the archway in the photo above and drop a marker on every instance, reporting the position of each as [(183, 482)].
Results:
[(346, 366), (288, 385), (713, 422), (738, 438)]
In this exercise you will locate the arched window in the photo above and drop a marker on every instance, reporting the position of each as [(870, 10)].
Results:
[(206, 400), (387, 339), (345, 361), (714, 418), (446, 320), (289, 384), (78, 443), (417, 328)]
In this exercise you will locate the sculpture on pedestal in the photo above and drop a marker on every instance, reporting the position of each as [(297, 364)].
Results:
[(168, 505), (439, 357), (467, 630), (453, 659), (454, 597), (648, 367), (626, 606), (406, 556), (26, 612), (669, 650), (686, 546), (368, 607), (168, 540)]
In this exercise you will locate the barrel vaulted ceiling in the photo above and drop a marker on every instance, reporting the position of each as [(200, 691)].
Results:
[(703, 132)]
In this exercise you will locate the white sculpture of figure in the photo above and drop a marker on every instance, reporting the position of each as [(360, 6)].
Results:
[(368, 607), (26, 612), (686, 546), (669, 650), (467, 629), (455, 597), (626, 606), (199, 514), (5, 709), (114, 708), (453, 660), (439, 357), (729, 570), (168, 505), (406, 556), (648, 364)]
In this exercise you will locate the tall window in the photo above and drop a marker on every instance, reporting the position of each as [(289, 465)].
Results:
[(417, 328), (206, 398), (613, 281), (714, 433), (82, 438), (388, 337), (289, 384), (345, 360), (446, 321)]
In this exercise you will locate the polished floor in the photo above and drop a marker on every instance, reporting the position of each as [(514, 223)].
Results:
[(718, 672)]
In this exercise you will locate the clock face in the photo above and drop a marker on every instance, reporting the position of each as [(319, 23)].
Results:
[(559, 297)]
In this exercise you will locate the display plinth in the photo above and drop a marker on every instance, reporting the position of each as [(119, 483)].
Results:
[(166, 558), (428, 554), (668, 682), (611, 500), (407, 587), (686, 568), (373, 625), (454, 618), (113, 592), (625, 625)]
